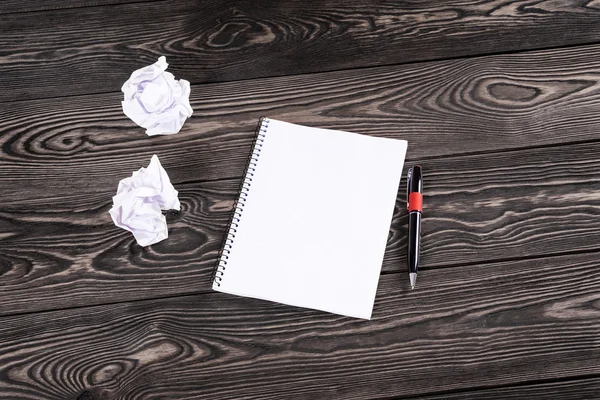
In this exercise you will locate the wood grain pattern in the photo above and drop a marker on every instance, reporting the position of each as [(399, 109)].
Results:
[(508, 304), (498, 324), (94, 49), (65, 249), (580, 389), (70, 154), (19, 6), (443, 108)]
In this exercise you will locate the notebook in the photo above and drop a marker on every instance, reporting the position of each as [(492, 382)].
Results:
[(311, 223)]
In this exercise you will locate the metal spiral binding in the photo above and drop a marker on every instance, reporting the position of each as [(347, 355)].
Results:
[(238, 207)]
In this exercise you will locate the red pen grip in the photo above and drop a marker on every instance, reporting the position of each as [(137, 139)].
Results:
[(415, 202)]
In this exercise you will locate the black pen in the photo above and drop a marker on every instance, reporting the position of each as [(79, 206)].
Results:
[(414, 203)]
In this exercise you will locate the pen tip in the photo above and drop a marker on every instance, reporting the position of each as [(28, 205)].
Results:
[(413, 279)]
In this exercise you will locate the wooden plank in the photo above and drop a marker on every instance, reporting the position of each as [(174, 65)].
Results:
[(94, 49), (445, 108), (481, 325), (580, 389), (19, 6), (65, 250)]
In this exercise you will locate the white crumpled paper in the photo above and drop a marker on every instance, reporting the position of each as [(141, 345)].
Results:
[(155, 100), (139, 200)]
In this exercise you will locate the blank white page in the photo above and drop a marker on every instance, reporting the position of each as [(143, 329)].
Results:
[(315, 223)]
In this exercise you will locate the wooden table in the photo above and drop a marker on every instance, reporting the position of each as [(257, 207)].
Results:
[(499, 101)]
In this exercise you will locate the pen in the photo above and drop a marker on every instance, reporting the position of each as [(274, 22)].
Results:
[(414, 203)]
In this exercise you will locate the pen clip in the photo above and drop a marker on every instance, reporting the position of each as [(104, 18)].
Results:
[(408, 178)]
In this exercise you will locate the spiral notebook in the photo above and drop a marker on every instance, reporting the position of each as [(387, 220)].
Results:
[(312, 220)]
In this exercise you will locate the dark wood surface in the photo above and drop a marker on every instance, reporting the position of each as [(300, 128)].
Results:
[(582, 389), (552, 208), (503, 323), (508, 304), (93, 49)]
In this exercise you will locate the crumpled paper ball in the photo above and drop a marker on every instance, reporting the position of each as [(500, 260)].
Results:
[(139, 200), (155, 100)]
